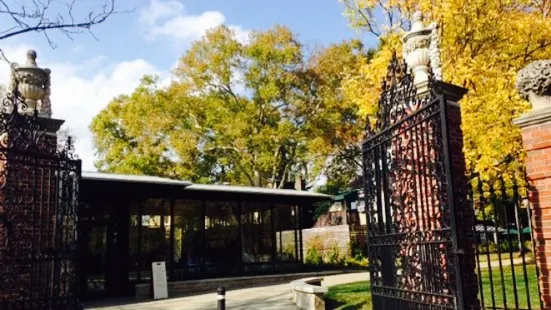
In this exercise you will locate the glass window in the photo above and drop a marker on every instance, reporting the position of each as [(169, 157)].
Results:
[(222, 237), (134, 243), (188, 237), (95, 261), (256, 227), (285, 218), (155, 227)]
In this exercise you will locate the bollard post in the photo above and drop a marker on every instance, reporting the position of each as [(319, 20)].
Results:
[(221, 298)]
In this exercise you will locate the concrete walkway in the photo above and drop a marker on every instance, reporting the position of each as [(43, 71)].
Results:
[(274, 297)]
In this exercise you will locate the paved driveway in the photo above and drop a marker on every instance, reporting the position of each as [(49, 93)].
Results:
[(273, 297)]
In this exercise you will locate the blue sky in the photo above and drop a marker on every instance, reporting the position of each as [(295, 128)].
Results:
[(87, 73)]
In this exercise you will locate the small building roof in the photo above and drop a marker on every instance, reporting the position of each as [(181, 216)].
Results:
[(188, 186), (128, 178), (255, 190)]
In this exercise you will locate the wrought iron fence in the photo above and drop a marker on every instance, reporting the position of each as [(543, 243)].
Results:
[(39, 187), (505, 255)]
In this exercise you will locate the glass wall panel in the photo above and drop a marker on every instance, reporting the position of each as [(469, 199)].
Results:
[(188, 238), (95, 218), (155, 234), (256, 233), (134, 243), (96, 260), (222, 255), (285, 218)]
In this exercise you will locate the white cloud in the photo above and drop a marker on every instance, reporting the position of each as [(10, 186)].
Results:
[(242, 35), (77, 99), (159, 9), (169, 19)]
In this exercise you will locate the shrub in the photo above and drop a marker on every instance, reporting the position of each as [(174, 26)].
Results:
[(318, 254), (289, 249), (335, 257), (487, 248), (313, 257), (288, 253), (314, 251), (506, 247), (358, 261)]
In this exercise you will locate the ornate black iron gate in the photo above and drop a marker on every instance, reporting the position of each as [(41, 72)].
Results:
[(38, 221), (407, 177)]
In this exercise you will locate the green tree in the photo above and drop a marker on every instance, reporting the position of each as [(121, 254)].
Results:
[(338, 148), (259, 113)]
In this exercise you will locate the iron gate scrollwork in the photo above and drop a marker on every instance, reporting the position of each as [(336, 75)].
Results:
[(39, 187), (410, 218)]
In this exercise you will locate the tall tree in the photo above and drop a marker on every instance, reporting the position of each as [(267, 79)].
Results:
[(259, 113), (484, 45), (338, 149)]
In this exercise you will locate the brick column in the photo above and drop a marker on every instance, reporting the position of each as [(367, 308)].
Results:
[(536, 138), (464, 211), (534, 84)]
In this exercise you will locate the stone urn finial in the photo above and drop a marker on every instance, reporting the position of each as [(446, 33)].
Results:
[(31, 59), (33, 84), (534, 84), (418, 51), (417, 22)]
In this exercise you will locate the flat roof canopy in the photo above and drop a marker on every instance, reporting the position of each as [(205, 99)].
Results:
[(128, 178), (139, 184)]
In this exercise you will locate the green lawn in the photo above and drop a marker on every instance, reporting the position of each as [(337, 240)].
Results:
[(356, 296), (507, 283), (483, 258), (352, 296)]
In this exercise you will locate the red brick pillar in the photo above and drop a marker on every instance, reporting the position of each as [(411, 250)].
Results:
[(534, 84), (536, 137), (464, 211)]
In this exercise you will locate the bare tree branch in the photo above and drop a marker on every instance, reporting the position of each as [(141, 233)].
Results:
[(36, 16), (367, 18), (3, 57)]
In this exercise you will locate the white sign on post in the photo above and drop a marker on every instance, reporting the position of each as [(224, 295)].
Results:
[(160, 288)]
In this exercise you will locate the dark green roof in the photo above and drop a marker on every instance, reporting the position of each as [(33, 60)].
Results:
[(348, 196)]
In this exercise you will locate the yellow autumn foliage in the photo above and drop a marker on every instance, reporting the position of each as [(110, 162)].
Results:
[(484, 44)]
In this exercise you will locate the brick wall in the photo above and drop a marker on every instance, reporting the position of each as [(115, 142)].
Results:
[(464, 211), (329, 237), (537, 144)]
